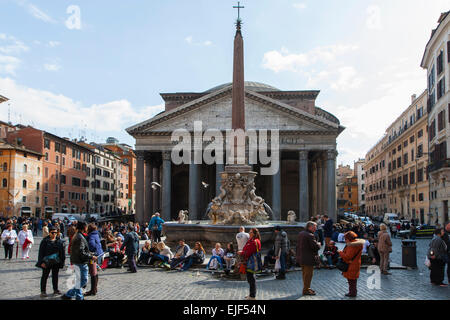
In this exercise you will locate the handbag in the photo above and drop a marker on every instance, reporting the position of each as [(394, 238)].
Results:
[(51, 260), (342, 265)]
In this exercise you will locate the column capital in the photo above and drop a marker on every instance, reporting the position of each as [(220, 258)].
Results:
[(140, 155), (331, 154), (303, 154), (166, 155)]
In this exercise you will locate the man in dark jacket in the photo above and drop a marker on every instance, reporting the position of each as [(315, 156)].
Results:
[(80, 256), (446, 238), (281, 250), (131, 245), (327, 229), (307, 255)]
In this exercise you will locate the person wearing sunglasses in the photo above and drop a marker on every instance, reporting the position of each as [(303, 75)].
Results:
[(51, 258)]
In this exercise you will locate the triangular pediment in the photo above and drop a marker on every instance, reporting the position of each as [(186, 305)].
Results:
[(214, 111)]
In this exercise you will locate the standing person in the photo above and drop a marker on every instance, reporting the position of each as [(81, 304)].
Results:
[(95, 246), (131, 244), (446, 239), (44, 229), (352, 256), (80, 256), (384, 248), (49, 246), (156, 224), (307, 255), (70, 233), (251, 248), (35, 226), (327, 229), (26, 241), (438, 257), (9, 237), (393, 228), (320, 229), (241, 239), (281, 250)]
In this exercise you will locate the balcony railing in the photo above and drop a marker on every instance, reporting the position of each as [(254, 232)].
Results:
[(439, 165)]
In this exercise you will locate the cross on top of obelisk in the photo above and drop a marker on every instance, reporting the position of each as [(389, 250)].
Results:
[(239, 7)]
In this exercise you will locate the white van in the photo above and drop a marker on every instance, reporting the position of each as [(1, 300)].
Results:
[(390, 218), (62, 216)]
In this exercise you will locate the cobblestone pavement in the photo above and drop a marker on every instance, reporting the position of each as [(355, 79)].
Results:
[(20, 280)]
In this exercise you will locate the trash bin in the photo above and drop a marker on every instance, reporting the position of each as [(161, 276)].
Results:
[(409, 256)]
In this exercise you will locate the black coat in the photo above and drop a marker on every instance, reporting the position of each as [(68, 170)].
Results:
[(48, 247), (79, 250), (307, 249)]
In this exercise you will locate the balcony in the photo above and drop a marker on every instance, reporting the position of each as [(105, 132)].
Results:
[(445, 163)]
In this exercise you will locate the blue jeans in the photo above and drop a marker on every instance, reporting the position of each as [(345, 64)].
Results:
[(283, 262), (81, 278), (219, 260)]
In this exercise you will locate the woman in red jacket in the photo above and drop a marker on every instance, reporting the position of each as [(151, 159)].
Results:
[(252, 246), (352, 255)]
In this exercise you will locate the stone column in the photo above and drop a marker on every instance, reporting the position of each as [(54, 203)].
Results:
[(140, 189), (219, 168), (148, 190), (331, 180), (156, 191), (314, 188), (194, 190), (166, 186), (276, 194), (303, 186), (319, 190), (324, 188)]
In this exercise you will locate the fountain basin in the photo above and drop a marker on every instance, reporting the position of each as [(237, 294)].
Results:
[(209, 234)]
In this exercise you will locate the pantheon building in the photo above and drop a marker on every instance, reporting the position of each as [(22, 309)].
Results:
[(305, 182)]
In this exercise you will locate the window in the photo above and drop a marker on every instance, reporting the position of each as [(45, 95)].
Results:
[(413, 198), (62, 194), (420, 196), (46, 144), (440, 88), (420, 175), (431, 80), (419, 113), (432, 130), (46, 156), (38, 171), (63, 161), (37, 185), (420, 133), (24, 184), (405, 143), (405, 179), (419, 151), (412, 177), (440, 62), (399, 162), (57, 147), (46, 187), (25, 168), (64, 149), (441, 120), (4, 183), (405, 158), (57, 159), (412, 154), (76, 182), (5, 166), (63, 179), (399, 147), (24, 199), (411, 139)]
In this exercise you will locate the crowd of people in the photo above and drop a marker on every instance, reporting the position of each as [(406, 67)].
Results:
[(96, 246)]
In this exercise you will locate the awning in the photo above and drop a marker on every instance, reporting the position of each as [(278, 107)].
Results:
[(25, 210)]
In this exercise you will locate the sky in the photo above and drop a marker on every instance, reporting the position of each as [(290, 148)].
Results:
[(91, 69)]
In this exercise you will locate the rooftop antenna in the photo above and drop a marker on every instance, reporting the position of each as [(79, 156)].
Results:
[(9, 113)]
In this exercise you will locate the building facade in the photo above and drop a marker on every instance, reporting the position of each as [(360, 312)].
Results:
[(396, 179), (20, 180), (347, 196), (436, 60), (360, 175)]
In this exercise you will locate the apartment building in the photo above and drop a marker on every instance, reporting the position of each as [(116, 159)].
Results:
[(395, 168), (359, 172), (436, 60)]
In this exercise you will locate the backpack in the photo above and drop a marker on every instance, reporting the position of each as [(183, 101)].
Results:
[(254, 262)]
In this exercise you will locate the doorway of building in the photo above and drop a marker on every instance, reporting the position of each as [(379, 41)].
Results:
[(445, 211)]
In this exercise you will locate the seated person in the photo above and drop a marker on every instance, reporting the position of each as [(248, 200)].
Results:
[(217, 258), (229, 257), (341, 237), (153, 252), (116, 255), (144, 257), (366, 243), (291, 259), (373, 253), (164, 255), (268, 259), (180, 253), (197, 257), (331, 253)]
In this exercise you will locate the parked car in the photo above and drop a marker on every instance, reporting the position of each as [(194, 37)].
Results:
[(390, 218), (366, 221)]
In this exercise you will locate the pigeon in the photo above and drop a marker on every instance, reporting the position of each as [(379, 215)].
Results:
[(155, 185), (205, 184)]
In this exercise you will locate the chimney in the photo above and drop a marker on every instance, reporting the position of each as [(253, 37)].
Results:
[(413, 98)]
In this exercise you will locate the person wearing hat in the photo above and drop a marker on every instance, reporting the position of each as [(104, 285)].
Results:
[(281, 250), (49, 246), (352, 256)]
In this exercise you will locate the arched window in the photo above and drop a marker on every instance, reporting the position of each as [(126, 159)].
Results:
[(5, 166), (37, 185), (25, 168), (38, 171), (24, 184), (4, 183)]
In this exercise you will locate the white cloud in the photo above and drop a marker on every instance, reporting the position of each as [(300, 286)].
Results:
[(11, 45), (35, 106), (188, 39), (373, 21), (54, 44), (207, 43), (9, 64), (347, 79), (35, 11), (52, 67), (299, 6), (283, 60)]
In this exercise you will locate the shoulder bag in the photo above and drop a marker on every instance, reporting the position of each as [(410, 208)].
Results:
[(342, 265)]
